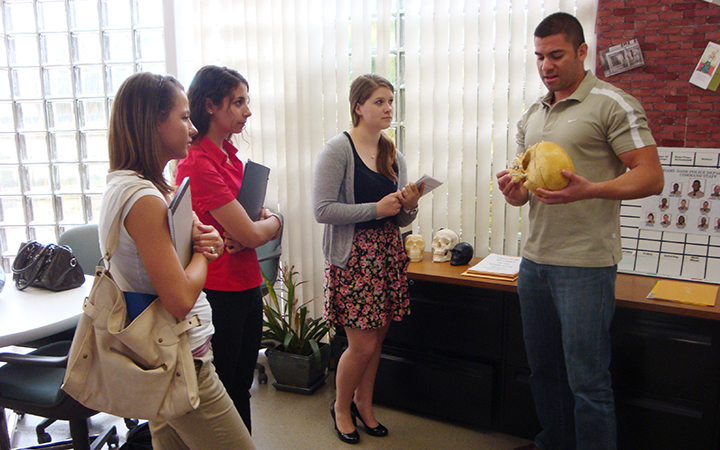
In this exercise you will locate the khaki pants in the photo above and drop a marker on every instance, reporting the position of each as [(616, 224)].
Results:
[(215, 425)]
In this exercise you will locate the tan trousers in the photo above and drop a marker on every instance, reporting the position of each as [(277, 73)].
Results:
[(214, 425)]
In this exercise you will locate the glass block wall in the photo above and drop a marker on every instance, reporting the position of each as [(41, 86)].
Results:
[(61, 62)]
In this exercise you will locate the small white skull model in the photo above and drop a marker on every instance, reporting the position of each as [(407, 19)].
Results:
[(415, 247), (443, 243)]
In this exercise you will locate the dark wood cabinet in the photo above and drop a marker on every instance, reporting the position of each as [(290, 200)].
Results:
[(460, 356), (424, 384), (451, 321), (666, 376), (448, 347)]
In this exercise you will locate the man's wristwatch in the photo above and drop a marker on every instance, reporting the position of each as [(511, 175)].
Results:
[(410, 211)]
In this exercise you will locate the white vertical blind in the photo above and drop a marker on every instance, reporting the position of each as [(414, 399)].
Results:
[(415, 130), (384, 30), (467, 29), (469, 73), (484, 144), (434, 32), (454, 76), (501, 125)]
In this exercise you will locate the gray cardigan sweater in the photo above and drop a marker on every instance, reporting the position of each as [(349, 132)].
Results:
[(334, 198)]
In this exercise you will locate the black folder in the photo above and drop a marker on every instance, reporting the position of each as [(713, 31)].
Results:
[(253, 189)]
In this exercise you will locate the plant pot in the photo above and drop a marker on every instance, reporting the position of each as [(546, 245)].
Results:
[(298, 373)]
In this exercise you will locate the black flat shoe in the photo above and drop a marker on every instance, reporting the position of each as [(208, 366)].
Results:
[(348, 438), (379, 430)]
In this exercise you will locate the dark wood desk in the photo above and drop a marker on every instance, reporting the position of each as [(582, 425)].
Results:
[(460, 356), (630, 290)]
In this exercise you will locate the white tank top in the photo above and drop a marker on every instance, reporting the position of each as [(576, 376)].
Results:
[(126, 266)]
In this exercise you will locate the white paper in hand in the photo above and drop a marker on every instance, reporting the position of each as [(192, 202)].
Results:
[(430, 183)]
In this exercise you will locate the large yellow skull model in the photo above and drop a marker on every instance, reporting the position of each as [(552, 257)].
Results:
[(541, 167)]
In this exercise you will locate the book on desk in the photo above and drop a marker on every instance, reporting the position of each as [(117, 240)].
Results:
[(496, 267), (698, 294)]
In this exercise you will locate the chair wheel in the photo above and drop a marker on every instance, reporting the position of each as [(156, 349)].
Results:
[(131, 423), (262, 378), (43, 437), (114, 441)]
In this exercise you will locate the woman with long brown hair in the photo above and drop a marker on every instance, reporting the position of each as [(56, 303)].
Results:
[(149, 127), (362, 196)]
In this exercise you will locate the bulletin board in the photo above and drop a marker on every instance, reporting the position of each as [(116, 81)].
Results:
[(676, 234)]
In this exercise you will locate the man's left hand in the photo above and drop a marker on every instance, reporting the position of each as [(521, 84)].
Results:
[(578, 188)]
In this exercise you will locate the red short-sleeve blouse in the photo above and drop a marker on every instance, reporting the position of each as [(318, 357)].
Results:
[(215, 182)]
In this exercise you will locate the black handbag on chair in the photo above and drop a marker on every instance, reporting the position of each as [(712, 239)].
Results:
[(50, 266)]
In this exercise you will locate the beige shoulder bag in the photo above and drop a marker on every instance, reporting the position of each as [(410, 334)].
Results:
[(143, 369)]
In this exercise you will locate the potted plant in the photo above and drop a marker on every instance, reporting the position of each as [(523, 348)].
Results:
[(298, 361)]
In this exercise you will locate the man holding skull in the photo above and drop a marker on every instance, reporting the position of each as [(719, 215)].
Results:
[(567, 276)]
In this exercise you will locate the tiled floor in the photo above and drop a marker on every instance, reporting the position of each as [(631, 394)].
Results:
[(288, 421)]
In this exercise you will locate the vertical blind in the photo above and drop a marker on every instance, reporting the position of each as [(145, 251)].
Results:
[(466, 74)]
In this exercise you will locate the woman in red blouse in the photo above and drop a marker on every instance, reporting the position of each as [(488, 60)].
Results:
[(219, 108)]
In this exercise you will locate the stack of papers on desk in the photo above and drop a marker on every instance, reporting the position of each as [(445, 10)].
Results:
[(698, 294), (496, 267)]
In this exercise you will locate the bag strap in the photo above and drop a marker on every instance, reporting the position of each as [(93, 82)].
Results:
[(38, 258), (31, 261), (185, 324), (114, 233)]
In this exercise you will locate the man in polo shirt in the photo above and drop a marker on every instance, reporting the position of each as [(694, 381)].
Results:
[(567, 275)]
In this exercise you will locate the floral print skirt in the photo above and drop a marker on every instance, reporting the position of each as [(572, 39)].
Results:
[(372, 288)]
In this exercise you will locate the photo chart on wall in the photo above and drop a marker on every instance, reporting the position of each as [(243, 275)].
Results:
[(677, 234)]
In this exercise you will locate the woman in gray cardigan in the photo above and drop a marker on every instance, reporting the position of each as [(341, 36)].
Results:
[(362, 196)]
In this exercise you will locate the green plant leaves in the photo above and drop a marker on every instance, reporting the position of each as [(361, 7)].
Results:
[(286, 320)]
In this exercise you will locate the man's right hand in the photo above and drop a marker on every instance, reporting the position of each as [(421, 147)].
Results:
[(515, 193)]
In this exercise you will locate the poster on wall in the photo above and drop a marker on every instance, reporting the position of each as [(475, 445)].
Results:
[(621, 58), (705, 74), (677, 234)]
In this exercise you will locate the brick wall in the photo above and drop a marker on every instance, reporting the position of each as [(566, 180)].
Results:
[(672, 35)]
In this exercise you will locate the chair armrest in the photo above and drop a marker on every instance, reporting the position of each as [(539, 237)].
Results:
[(273, 254), (34, 360)]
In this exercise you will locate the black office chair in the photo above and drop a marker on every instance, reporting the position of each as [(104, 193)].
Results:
[(269, 259), (31, 383), (85, 245)]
